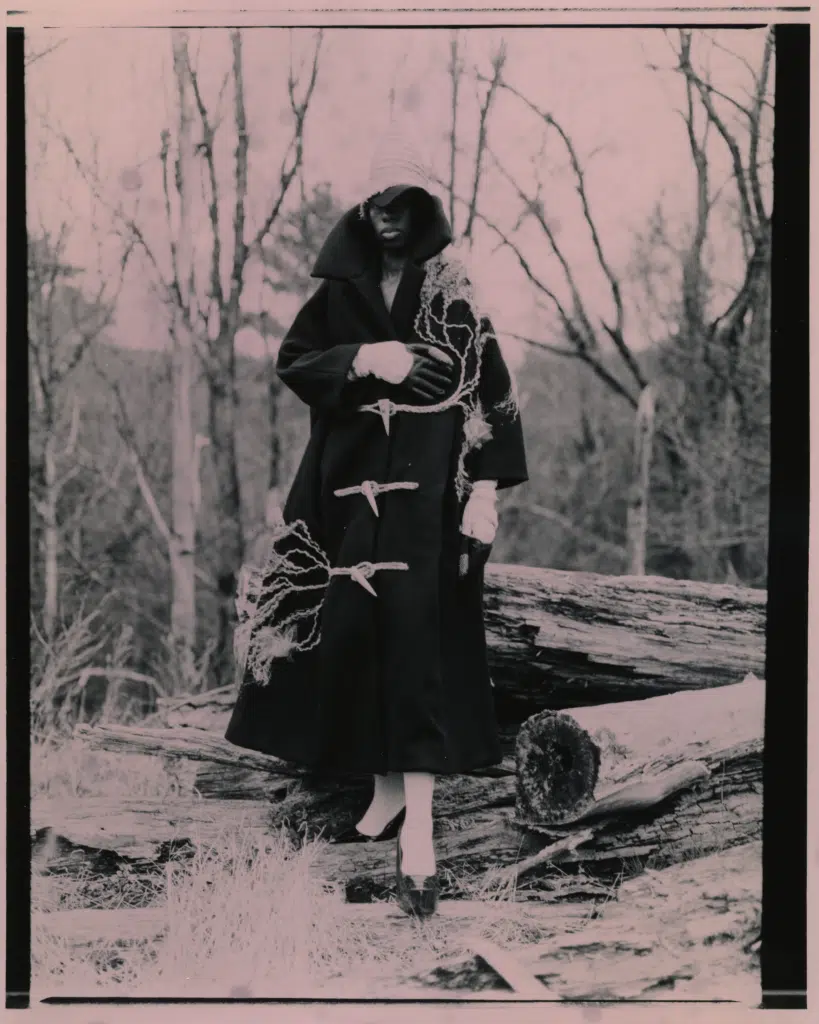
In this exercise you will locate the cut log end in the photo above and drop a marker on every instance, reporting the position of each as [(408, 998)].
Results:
[(557, 768)]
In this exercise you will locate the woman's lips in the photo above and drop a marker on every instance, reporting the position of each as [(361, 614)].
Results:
[(391, 233)]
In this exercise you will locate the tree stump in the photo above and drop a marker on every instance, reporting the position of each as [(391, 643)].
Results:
[(557, 768)]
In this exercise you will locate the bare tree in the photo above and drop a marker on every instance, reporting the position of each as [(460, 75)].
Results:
[(721, 343), (456, 71), (63, 323), (182, 536), (210, 314), (727, 325), (226, 315)]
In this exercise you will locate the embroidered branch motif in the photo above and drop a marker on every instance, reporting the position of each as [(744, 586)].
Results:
[(446, 284), (279, 605)]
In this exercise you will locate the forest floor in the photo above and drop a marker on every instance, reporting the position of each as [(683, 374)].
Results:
[(240, 919)]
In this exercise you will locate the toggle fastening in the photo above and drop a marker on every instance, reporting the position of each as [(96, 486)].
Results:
[(362, 572), (370, 488)]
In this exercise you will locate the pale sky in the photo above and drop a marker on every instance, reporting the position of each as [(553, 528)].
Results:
[(112, 89)]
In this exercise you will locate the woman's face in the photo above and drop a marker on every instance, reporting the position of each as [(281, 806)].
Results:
[(393, 223)]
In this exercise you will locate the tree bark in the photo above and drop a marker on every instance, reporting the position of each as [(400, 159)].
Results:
[(51, 543), (183, 547), (563, 639), (637, 514)]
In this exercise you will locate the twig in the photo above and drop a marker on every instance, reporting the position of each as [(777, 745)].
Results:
[(510, 874), (498, 62), (518, 977)]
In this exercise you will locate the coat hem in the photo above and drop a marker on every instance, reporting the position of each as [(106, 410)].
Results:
[(320, 767)]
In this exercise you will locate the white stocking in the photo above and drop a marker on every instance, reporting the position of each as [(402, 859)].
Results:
[(387, 801), (417, 851)]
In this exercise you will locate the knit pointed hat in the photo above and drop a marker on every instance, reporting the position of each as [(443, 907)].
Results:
[(397, 164)]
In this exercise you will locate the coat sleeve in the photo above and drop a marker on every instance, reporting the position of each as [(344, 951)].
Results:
[(309, 365), (503, 456)]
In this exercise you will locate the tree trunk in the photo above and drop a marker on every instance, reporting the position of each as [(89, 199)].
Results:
[(637, 514), (229, 544), (274, 390), (50, 539), (183, 547)]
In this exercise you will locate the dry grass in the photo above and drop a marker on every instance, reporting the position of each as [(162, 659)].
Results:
[(239, 917), (247, 917)]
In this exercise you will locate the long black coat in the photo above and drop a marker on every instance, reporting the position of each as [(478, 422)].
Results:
[(397, 681)]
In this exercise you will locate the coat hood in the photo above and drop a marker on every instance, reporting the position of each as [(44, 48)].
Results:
[(351, 248)]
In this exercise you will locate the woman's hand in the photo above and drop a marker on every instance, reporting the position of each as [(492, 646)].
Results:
[(480, 518), (428, 372), (432, 373)]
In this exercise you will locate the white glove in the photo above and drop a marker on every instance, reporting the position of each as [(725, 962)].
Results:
[(480, 518), (389, 360)]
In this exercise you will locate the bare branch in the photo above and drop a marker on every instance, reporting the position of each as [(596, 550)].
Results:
[(719, 46), (174, 286), (239, 245), (535, 208), (455, 72), (150, 500), (287, 173), (498, 62), (687, 69), (213, 206), (550, 121), (545, 346), (753, 159), (96, 190), (34, 57)]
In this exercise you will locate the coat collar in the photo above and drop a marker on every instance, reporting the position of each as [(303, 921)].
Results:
[(350, 254)]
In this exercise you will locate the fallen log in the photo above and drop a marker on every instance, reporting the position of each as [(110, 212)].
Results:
[(645, 754), (717, 812), (563, 639), (570, 765), (196, 744), (209, 710), (566, 639)]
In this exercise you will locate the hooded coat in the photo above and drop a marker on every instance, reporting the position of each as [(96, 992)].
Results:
[(398, 681)]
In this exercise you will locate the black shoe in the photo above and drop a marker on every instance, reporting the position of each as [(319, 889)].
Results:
[(389, 831), (417, 894)]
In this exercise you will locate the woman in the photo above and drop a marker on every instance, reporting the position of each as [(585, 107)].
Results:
[(365, 648)]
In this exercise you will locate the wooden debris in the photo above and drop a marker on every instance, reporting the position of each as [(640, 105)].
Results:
[(662, 744), (647, 943), (196, 744), (516, 976), (548, 855)]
